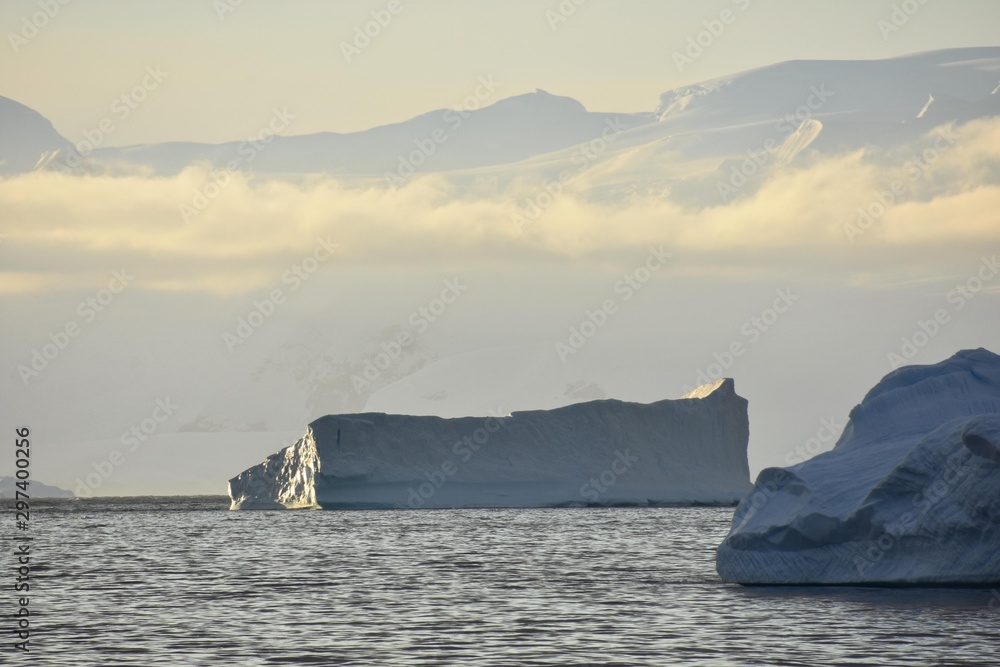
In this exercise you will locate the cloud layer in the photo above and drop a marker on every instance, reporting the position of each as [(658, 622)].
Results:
[(904, 212)]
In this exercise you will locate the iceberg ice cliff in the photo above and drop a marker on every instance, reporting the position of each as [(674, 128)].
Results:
[(691, 450), (910, 494)]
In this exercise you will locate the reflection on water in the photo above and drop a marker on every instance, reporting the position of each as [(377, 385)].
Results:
[(182, 581)]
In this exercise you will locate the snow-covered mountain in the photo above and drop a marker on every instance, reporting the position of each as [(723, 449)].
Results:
[(506, 131), (892, 90), (694, 131), (27, 139)]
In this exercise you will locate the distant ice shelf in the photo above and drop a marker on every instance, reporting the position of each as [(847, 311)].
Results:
[(909, 495), (9, 488), (692, 450)]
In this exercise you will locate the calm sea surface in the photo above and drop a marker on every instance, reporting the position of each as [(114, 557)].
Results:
[(184, 581)]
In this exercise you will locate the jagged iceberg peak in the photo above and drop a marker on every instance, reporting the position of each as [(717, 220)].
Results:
[(606, 452), (910, 494), (723, 386)]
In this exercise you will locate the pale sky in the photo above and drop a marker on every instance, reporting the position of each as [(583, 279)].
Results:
[(223, 76)]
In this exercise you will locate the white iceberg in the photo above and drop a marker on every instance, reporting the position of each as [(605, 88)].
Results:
[(674, 452), (910, 494)]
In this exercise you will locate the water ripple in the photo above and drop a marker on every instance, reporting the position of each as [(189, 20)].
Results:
[(168, 581)]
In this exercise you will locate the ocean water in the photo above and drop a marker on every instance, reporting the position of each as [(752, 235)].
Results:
[(184, 581)]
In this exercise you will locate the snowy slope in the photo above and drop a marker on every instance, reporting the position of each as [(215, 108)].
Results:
[(783, 114), (691, 450), (860, 91), (688, 138), (27, 139), (506, 131), (909, 494)]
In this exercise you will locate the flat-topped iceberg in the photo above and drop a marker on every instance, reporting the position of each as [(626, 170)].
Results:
[(910, 494), (692, 450)]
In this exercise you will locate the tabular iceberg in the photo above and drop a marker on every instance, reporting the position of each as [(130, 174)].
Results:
[(691, 450), (910, 494)]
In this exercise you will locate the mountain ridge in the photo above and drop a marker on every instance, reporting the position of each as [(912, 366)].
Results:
[(858, 101)]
